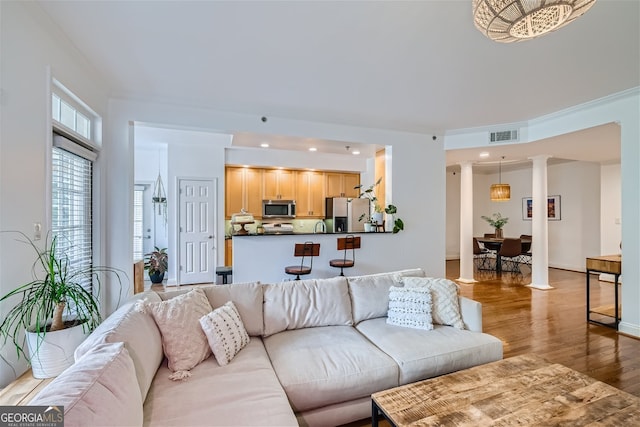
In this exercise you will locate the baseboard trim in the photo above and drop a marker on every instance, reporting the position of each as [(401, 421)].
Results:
[(629, 330)]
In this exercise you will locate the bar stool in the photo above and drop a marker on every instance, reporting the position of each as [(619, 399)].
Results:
[(306, 249), (349, 242)]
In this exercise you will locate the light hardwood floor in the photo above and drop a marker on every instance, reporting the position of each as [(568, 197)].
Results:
[(553, 324)]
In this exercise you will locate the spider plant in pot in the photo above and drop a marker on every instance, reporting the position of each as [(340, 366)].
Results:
[(156, 262), (54, 312)]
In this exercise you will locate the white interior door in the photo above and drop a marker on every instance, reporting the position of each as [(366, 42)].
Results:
[(196, 234)]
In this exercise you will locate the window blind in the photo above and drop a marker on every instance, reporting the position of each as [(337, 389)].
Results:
[(138, 222), (71, 186)]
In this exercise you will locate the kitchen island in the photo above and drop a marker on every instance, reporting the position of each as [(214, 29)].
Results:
[(263, 257)]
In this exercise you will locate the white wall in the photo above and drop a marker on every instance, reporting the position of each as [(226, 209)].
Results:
[(610, 209), (30, 47), (295, 159), (189, 154)]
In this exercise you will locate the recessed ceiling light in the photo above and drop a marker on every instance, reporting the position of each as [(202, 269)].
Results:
[(484, 154), (356, 152), (313, 149), (264, 145)]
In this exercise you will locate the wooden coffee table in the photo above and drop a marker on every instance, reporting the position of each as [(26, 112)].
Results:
[(523, 390)]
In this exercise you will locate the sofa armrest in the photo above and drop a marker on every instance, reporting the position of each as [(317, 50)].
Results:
[(471, 313)]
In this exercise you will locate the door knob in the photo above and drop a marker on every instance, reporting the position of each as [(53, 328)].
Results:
[(210, 237)]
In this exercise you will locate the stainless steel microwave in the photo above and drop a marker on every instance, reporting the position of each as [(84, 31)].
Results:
[(278, 209)]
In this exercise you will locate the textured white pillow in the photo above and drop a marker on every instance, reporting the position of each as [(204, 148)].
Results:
[(410, 307), (445, 308), (183, 341), (225, 332)]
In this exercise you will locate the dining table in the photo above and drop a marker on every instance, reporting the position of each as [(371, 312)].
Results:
[(495, 243)]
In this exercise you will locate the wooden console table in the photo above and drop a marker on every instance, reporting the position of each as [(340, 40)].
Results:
[(22, 390), (611, 264)]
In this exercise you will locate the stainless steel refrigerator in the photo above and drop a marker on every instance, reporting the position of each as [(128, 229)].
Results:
[(343, 215)]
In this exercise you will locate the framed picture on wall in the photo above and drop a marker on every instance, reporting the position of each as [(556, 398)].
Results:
[(553, 208)]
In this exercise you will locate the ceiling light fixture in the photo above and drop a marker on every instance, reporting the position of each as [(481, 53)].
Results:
[(313, 149), (500, 192), (264, 145), (484, 154), (355, 153), (507, 21)]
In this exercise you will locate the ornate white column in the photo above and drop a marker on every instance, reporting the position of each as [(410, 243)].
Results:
[(466, 223), (539, 226)]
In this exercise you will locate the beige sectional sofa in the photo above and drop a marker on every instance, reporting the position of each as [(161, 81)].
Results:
[(318, 349)]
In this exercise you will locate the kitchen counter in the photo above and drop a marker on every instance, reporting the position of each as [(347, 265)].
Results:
[(303, 234), (263, 257)]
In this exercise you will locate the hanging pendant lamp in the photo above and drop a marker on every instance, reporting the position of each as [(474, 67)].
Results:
[(159, 198), (507, 21), (500, 192)]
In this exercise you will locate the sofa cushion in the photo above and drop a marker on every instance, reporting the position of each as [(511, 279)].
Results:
[(140, 335), (445, 308), (183, 340), (410, 307), (100, 389), (245, 392), (247, 298), (424, 354), (306, 303), (325, 365), (370, 293), (225, 332)]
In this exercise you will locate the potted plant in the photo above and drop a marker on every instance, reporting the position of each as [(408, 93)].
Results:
[(55, 310), (156, 262), (497, 221), (376, 217)]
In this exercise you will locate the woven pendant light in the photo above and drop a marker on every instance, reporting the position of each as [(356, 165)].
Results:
[(507, 21), (500, 192)]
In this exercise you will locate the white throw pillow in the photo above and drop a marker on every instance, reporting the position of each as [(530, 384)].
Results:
[(225, 332), (410, 307), (183, 341), (445, 308)]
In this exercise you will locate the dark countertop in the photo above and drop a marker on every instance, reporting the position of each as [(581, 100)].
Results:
[(303, 234)]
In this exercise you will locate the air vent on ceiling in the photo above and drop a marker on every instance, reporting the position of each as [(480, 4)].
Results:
[(503, 136)]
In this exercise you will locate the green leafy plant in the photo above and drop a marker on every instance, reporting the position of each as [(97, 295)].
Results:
[(398, 224), (369, 193), (57, 291), (496, 220), (156, 261)]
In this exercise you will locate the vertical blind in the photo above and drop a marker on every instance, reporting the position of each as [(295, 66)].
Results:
[(138, 222), (71, 186)]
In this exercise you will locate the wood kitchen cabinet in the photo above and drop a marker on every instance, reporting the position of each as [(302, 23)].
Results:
[(243, 189), (278, 184), (309, 194), (341, 184)]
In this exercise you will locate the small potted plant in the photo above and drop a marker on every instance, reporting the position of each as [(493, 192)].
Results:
[(156, 263), (376, 218), (55, 311), (497, 221)]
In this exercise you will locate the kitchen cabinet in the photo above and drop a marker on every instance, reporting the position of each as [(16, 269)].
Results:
[(278, 184), (309, 194), (341, 184), (243, 190), (228, 252)]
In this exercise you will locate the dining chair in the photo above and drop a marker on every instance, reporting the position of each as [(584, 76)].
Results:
[(510, 252), (303, 250), (480, 256), (526, 255)]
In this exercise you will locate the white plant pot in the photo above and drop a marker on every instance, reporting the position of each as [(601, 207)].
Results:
[(369, 228), (378, 217), (53, 354)]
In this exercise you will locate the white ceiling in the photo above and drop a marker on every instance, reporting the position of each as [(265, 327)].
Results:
[(416, 66)]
